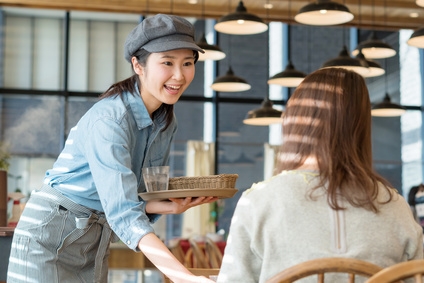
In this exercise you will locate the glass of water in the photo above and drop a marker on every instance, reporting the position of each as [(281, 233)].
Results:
[(156, 178)]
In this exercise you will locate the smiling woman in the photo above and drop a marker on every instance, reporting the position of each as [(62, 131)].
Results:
[(90, 196)]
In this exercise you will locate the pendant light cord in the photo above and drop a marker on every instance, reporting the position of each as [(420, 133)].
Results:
[(385, 60), (309, 50), (359, 23), (288, 44), (267, 45), (385, 77), (385, 12), (288, 33), (229, 49), (229, 39)]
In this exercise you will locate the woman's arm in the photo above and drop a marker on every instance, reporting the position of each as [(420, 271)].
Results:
[(156, 251), (176, 205)]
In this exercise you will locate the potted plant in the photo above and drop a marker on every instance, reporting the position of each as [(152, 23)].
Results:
[(4, 157)]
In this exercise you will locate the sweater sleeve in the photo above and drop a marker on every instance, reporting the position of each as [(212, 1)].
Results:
[(414, 248), (240, 262)]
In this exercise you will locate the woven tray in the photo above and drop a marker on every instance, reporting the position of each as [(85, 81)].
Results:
[(221, 181)]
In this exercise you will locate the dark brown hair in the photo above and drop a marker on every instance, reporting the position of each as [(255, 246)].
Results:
[(328, 118)]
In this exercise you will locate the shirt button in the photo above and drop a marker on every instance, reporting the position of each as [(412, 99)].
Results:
[(128, 242)]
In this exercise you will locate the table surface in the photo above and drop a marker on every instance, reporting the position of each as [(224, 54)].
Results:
[(6, 231)]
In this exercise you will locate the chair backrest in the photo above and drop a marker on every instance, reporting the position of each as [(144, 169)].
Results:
[(413, 269), (204, 271), (199, 272), (321, 266), (199, 255), (213, 253), (177, 251)]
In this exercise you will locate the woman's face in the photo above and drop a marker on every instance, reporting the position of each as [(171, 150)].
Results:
[(165, 77)]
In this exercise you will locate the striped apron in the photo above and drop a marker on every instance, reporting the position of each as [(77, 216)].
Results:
[(57, 240)]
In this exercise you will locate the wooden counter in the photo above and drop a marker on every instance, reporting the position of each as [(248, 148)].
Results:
[(123, 257)]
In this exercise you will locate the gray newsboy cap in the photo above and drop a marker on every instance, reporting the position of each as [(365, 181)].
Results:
[(161, 33)]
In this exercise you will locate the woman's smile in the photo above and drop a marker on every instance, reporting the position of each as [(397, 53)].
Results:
[(173, 89)]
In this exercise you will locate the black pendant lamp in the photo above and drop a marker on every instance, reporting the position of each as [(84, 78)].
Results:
[(240, 22), (373, 48), (374, 68), (347, 62), (290, 77), (387, 109), (230, 83), (264, 116), (417, 38), (212, 52), (323, 13)]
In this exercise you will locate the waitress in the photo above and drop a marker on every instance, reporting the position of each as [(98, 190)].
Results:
[(90, 196)]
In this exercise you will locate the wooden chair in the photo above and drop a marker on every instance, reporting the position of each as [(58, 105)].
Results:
[(204, 271), (320, 266), (413, 269), (213, 253), (199, 272), (197, 256), (177, 251)]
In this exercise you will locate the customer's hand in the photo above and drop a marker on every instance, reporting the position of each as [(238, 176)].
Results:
[(176, 205)]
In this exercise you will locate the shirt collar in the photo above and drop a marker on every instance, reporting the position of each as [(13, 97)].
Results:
[(141, 115)]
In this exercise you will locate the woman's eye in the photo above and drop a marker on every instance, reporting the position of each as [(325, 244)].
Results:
[(167, 63), (188, 63)]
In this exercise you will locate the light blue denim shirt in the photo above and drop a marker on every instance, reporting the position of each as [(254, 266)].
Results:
[(100, 165)]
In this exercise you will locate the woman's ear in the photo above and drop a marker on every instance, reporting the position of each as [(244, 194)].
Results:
[(138, 69)]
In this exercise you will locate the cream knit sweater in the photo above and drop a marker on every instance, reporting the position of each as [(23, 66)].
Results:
[(275, 226)]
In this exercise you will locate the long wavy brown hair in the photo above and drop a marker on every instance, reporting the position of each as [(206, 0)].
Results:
[(328, 119)]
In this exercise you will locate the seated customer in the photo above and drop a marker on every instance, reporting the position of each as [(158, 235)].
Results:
[(326, 201)]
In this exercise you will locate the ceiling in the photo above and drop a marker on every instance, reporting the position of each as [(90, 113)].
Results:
[(369, 14)]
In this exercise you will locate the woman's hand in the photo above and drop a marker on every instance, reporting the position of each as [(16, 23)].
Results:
[(156, 251), (176, 205)]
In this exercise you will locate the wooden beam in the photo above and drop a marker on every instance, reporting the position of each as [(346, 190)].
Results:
[(372, 14)]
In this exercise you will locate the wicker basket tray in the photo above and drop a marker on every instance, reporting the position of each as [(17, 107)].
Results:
[(221, 181)]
